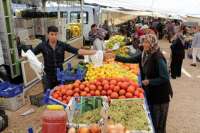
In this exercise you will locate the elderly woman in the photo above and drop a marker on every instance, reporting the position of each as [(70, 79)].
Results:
[(155, 80), (99, 43)]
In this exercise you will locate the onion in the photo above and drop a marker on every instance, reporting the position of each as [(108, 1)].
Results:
[(95, 129)]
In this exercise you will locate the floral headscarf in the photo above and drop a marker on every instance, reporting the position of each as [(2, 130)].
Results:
[(153, 41)]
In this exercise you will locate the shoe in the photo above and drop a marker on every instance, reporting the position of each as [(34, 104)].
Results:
[(194, 65)]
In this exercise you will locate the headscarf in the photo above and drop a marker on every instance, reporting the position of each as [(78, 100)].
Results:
[(101, 33), (153, 41)]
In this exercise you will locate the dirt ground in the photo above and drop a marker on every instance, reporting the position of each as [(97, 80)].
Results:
[(184, 111)]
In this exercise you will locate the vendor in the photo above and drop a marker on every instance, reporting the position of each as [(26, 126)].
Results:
[(155, 80), (53, 52)]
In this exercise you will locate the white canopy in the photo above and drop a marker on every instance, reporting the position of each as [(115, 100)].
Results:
[(179, 7)]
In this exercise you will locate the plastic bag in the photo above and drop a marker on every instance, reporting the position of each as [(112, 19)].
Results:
[(35, 64), (96, 59)]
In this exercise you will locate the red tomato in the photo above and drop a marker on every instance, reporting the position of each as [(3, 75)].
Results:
[(70, 86), (77, 90), (124, 85), (82, 86), (69, 93), (106, 86), (76, 94), (112, 87), (97, 93), (136, 93), (114, 95), (122, 92), (141, 95), (99, 87), (83, 93), (86, 89), (92, 87), (92, 93), (140, 90), (131, 89), (98, 83), (78, 82), (122, 97), (129, 95), (113, 82), (104, 82), (76, 85), (88, 95), (117, 88), (109, 92), (103, 93), (119, 83)]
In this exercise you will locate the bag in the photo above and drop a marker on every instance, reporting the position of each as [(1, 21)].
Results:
[(3, 120), (35, 64)]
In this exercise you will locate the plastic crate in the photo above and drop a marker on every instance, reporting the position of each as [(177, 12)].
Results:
[(48, 99), (11, 96), (66, 76), (8, 90)]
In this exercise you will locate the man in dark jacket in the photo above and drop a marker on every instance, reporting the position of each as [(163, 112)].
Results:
[(155, 80), (53, 53)]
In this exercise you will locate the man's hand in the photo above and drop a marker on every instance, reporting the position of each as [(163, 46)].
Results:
[(145, 82)]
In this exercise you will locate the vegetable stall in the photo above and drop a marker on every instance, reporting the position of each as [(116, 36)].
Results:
[(107, 98)]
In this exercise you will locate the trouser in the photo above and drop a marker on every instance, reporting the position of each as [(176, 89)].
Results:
[(195, 52), (159, 114), (49, 82), (176, 66)]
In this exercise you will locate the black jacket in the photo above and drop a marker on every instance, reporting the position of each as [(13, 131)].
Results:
[(178, 49), (53, 58), (155, 70)]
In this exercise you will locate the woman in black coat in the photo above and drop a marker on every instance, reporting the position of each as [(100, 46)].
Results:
[(177, 55), (155, 80)]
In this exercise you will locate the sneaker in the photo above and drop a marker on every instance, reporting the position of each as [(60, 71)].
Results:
[(194, 65)]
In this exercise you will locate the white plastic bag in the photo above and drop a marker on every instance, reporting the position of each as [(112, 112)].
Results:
[(35, 64), (116, 46), (97, 59)]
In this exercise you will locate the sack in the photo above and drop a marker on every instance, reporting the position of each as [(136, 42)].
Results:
[(35, 64)]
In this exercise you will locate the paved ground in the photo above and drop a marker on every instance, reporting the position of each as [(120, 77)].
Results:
[(184, 112)]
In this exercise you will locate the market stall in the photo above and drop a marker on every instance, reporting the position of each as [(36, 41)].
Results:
[(103, 95)]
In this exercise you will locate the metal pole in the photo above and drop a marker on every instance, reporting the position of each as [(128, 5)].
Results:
[(82, 17)]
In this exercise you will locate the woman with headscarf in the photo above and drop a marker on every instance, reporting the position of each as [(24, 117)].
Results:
[(99, 43), (155, 80), (177, 54)]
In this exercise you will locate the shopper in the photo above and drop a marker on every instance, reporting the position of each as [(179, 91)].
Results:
[(53, 52), (170, 30), (106, 27), (177, 54), (92, 34), (195, 47), (155, 80), (98, 43)]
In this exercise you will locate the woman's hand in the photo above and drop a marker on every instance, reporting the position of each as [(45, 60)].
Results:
[(145, 82)]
